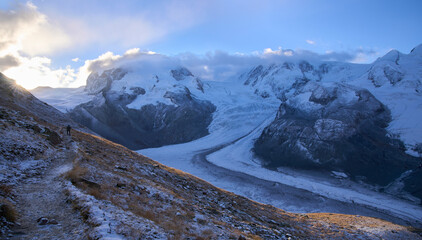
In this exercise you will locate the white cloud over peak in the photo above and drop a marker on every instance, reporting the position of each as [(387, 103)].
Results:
[(310, 42), (366, 55), (279, 52), (215, 66)]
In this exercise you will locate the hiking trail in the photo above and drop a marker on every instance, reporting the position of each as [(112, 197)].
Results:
[(43, 196)]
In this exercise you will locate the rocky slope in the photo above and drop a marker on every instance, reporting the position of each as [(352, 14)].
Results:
[(124, 109), (15, 95), (104, 191)]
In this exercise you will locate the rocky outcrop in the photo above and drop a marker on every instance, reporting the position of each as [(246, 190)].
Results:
[(337, 128), (181, 73), (97, 83), (382, 74), (149, 126)]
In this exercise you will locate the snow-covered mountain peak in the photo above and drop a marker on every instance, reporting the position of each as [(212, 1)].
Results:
[(398, 69), (278, 79), (417, 51), (391, 56), (142, 86)]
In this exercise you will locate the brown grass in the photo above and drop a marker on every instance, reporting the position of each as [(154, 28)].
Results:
[(97, 193), (415, 230), (207, 234), (166, 218), (5, 190), (76, 173), (7, 210)]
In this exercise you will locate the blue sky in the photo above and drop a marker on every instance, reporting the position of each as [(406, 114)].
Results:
[(86, 29)]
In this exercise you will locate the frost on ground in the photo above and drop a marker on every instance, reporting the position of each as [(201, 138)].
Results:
[(109, 221), (31, 155)]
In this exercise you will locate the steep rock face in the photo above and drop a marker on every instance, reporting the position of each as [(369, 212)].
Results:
[(123, 111), (335, 127), (97, 83), (181, 73)]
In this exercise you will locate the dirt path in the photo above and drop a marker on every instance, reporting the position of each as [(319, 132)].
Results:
[(44, 196)]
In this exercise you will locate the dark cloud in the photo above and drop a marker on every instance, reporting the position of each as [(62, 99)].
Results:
[(8, 61)]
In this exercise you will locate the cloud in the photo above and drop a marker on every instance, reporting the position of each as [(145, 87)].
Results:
[(310, 42), (215, 66), (26, 30), (110, 60), (8, 61), (36, 71), (75, 59), (26, 33), (363, 55), (121, 25), (278, 52)]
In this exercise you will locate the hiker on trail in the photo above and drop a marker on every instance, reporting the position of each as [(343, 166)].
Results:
[(68, 130)]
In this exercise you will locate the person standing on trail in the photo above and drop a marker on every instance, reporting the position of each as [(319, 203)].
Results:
[(68, 130)]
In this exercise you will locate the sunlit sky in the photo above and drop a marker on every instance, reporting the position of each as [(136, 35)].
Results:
[(52, 42)]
